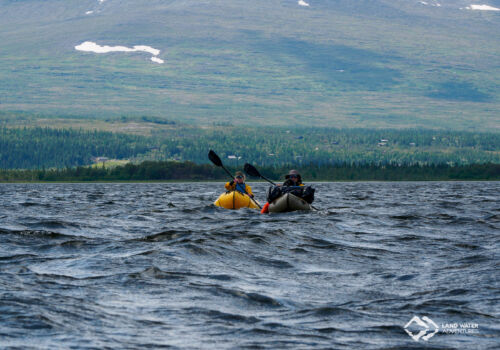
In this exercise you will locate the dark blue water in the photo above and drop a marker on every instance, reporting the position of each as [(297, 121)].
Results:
[(129, 266)]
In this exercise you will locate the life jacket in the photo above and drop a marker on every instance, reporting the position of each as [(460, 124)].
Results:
[(241, 187)]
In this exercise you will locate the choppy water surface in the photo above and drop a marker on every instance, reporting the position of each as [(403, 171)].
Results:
[(156, 265)]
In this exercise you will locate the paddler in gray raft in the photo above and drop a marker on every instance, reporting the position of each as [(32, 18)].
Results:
[(293, 178)]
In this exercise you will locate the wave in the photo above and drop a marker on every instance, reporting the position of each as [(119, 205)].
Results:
[(165, 236), (157, 273), (281, 264), (327, 311), (220, 315), (17, 257), (254, 298), (36, 233)]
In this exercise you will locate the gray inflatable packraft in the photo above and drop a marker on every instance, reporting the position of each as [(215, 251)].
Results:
[(288, 202)]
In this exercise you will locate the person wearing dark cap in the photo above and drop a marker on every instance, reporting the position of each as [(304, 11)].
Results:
[(238, 184), (293, 178)]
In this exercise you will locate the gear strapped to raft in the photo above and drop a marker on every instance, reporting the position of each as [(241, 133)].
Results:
[(304, 192)]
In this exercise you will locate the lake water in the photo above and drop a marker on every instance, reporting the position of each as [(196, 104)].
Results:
[(135, 266)]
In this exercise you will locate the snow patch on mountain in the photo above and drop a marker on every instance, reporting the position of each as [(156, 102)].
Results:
[(92, 11), (89, 46), (157, 60), (482, 8), (435, 4)]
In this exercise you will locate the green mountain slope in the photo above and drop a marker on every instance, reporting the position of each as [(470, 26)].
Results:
[(343, 63)]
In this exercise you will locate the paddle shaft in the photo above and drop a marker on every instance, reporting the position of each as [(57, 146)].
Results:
[(265, 178), (227, 171), (252, 171)]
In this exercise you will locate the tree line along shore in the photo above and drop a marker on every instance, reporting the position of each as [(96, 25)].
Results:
[(189, 171), (38, 148)]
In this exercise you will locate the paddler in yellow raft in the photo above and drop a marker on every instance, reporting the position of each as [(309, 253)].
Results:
[(238, 184), (238, 195)]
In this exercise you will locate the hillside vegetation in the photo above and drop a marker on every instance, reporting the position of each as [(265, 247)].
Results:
[(366, 63), (37, 148)]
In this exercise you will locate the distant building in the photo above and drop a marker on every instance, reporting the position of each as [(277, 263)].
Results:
[(413, 144), (100, 159)]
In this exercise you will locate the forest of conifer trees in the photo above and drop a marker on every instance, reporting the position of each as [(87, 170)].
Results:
[(43, 148)]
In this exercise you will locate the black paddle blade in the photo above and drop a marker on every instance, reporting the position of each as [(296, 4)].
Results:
[(250, 170), (214, 158)]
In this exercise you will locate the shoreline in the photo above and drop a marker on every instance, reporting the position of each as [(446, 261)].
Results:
[(167, 171), (223, 181)]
